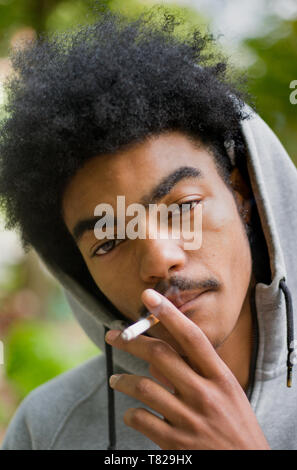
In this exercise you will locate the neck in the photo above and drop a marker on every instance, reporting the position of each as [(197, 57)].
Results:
[(240, 340)]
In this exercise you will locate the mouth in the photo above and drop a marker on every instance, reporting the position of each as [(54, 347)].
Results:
[(184, 300), (190, 303)]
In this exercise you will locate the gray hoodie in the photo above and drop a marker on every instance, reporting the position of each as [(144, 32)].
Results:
[(76, 409)]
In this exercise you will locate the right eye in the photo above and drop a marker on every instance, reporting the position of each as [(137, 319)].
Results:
[(106, 247)]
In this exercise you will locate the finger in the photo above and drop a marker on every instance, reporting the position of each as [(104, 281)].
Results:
[(161, 355), (151, 394), (189, 336), (154, 371), (153, 427)]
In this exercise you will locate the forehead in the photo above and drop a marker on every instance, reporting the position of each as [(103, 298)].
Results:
[(131, 173)]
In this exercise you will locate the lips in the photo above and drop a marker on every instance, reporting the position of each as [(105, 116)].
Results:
[(183, 298)]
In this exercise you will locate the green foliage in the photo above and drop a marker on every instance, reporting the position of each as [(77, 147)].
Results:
[(4, 416), (41, 15), (270, 77), (36, 352), (68, 14), (13, 279), (57, 305), (54, 15)]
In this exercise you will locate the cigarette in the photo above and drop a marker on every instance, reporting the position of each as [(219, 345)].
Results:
[(139, 327), (145, 323)]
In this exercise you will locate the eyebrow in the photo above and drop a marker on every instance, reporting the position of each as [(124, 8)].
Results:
[(155, 195)]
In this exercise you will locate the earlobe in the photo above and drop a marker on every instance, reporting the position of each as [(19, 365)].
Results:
[(234, 178), (246, 210), (238, 184), (242, 194)]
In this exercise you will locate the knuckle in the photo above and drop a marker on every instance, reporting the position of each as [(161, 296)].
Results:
[(208, 399), (194, 427), (143, 387), (198, 390), (210, 403), (133, 417), (158, 348), (190, 336), (180, 441), (188, 420), (227, 381)]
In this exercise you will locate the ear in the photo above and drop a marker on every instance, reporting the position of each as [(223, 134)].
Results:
[(242, 194)]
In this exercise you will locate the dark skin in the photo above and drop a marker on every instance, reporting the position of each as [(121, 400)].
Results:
[(201, 358)]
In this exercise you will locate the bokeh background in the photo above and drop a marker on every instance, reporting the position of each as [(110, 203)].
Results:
[(40, 335)]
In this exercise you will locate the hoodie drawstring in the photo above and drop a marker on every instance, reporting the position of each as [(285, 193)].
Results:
[(110, 396), (290, 330)]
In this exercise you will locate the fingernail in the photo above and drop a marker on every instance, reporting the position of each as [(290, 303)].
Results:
[(153, 299), (113, 379), (111, 335)]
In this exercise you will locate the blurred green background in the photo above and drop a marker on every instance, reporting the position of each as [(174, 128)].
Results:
[(40, 335)]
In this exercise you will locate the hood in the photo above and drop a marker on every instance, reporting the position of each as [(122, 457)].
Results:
[(273, 179)]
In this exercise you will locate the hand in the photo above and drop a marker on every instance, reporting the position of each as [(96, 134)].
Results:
[(203, 405)]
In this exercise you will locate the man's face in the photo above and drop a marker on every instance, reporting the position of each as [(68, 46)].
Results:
[(123, 269)]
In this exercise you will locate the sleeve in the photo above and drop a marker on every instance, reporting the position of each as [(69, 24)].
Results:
[(17, 436)]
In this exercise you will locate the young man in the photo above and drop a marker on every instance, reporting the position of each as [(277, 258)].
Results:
[(128, 109)]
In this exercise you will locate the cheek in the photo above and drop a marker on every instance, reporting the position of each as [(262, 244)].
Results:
[(225, 253), (107, 280), (221, 214), (225, 244), (118, 285), (221, 226)]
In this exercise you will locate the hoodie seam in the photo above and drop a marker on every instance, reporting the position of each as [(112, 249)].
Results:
[(273, 377), (258, 398), (74, 406), (268, 374), (29, 432)]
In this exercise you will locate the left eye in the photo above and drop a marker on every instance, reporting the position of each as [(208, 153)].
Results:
[(187, 206), (107, 247), (111, 244)]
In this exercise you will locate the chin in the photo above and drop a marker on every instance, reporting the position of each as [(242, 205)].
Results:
[(206, 312)]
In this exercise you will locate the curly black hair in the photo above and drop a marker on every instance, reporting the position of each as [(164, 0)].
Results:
[(99, 89)]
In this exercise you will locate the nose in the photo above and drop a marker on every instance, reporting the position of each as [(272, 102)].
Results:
[(159, 258)]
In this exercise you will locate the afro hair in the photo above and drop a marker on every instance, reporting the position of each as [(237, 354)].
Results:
[(96, 90)]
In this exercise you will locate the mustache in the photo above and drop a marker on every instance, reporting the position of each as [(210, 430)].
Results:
[(175, 285)]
